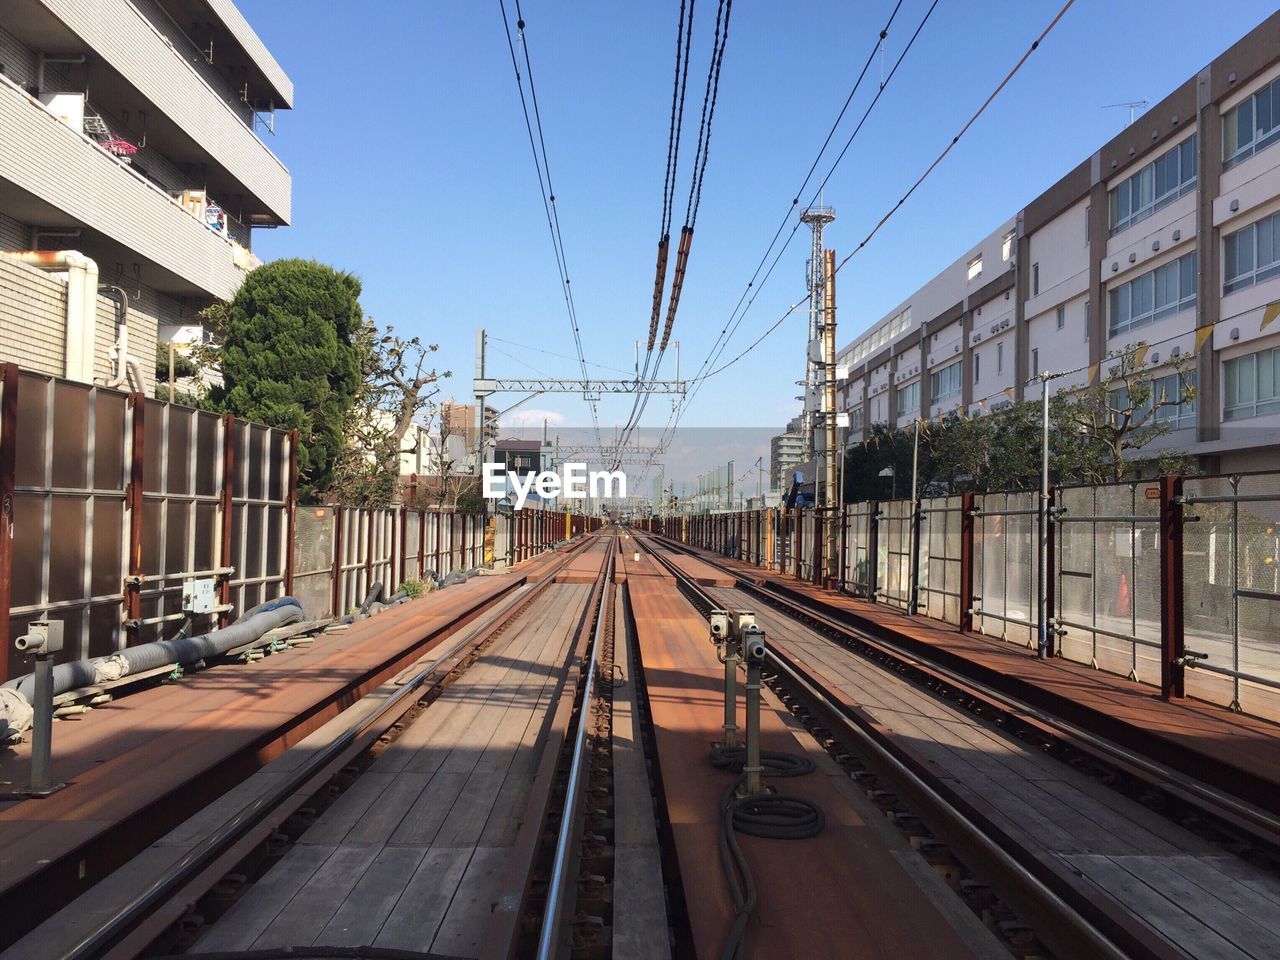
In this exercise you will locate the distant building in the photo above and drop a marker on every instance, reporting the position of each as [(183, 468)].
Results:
[(1165, 235), (130, 160), (786, 451)]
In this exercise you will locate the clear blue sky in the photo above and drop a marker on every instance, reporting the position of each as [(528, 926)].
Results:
[(411, 166)]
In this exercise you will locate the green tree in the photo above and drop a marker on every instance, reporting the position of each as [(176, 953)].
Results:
[(1099, 431), (290, 358)]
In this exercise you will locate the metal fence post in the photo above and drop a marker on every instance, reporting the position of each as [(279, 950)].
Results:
[(1172, 637), (339, 522), (291, 512), (225, 500), (8, 479), (873, 549), (967, 506), (133, 500), (1049, 581)]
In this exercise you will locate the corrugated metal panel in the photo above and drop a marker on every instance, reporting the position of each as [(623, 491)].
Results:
[(120, 34), (103, 194)]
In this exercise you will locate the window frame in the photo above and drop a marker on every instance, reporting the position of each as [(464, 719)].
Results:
[(1246, 410), (1144, 181), (1147, 285), (913, 385), (1258, 141), (937, 382), (1257, 272)]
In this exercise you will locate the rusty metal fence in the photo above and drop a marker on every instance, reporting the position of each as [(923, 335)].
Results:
[(109, 501)]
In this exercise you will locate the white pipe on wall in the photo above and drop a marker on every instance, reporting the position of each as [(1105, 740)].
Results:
[(82, 305)]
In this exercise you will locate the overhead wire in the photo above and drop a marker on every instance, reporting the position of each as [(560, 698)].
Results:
[(702, 377), (739, 312), (542, 166), (720, 38)]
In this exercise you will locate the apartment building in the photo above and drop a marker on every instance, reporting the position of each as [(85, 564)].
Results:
[(786, 452), (133, 171), (1169, 234)]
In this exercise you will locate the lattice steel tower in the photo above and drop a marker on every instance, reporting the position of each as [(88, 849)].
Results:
[(817, 218)]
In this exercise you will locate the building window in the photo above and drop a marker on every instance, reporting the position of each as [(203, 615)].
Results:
[(1169, 387), (909, 397), (1088, 224), (1062, 318), (1251, 126), (977, 367), (1252, 385), (975, 266), (945, 382), (1035, 361), (1250, 255), (1157, 294), (1159, 183), (1035, 279), (1006, 247), (879, 410), (1088, 318), (1000, 357), (855, 419)]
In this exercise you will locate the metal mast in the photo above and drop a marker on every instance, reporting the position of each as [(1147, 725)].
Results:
[(817, 218)]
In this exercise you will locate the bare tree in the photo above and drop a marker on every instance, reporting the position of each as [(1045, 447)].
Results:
[(398, 385)]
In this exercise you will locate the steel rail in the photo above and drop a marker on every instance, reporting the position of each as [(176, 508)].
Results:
[(548, 937), (1030, 893), (1264, 825), (216, 844)]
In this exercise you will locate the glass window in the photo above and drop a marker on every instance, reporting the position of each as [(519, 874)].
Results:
[(1035, 361), (1154, 295), (975, 267), (1035, 279), (977, 367), (1006, 247), (1169, 176), (1250, 254), (1252, 126), (999, 357), (1062, 317), (1250, 385), (945, 382), (909, 397)]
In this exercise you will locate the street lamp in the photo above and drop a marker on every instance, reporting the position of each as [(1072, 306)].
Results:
[(889, 471)]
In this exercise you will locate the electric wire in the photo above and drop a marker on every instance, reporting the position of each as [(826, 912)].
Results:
[(719, 348), (701, 377), (710, 97), (546, 190)]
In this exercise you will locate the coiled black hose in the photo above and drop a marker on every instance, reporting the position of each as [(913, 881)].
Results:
[(768, 815)]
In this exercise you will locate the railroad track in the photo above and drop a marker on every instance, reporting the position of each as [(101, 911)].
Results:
[(160, 915), (1051, 908)]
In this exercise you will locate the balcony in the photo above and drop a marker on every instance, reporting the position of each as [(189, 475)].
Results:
[(146, 60), (55, 175)]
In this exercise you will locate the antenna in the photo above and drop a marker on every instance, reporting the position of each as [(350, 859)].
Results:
[(1131, 104)]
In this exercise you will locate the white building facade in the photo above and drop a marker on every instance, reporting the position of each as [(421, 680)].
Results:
[(134, 136), (1169, 235)]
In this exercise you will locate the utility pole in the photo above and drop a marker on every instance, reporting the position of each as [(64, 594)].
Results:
[(480, 401), (831, 493), (817, 218)]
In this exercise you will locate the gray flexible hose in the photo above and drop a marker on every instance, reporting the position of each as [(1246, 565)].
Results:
[(160, 653)]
